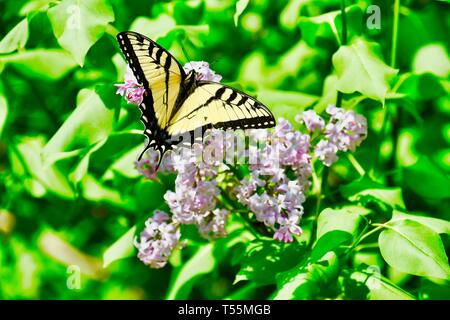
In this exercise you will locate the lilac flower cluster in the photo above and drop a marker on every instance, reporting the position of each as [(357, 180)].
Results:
[(274, 190), (275, 199), (194, 199), (344, 131), (157, 241)]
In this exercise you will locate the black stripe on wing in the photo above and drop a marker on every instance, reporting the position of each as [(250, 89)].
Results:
[(127, 49)]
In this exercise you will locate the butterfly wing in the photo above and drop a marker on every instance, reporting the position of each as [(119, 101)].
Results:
[(158, 71), (214, 105)]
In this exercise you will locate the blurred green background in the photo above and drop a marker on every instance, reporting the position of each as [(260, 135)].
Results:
[(70, 196)]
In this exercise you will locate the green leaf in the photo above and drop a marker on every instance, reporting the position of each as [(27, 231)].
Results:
[(421, 87), (306, 282), (432, 58), (240, 7), (154, 28), (93, 190), (63, 252), (90, 123), (437, 225), (335, 227), (263, 260), (347, 219), (49, 64), (427, 180), (359, 67), (201, 263), (372, 286), (327, 27), (414, 248), (365, 189), (16, 38), (291, 13), (122, 248), (288, 103), (124, 165), (3, 110), (26, 161), (79, 24)]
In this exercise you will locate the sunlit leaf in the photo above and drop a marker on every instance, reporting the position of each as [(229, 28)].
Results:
[(27, 158), (50, 64), (16, 38), (154, 28), (360, 68), (57, 248), (432, 58), (95, 191), (89, 123), (3, 110), (79, 24), (201, 263), (335, 227), (414, 248), (327, 27), (240, 7), (437, 225), (122, 248)]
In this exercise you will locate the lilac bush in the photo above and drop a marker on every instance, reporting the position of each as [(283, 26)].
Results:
[(280, 167)]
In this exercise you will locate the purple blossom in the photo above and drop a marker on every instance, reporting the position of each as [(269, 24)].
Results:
[(194, 200), (311, 120), (326, 152), (213, 224), (345, 129), (132, 90), (157, 240), (204, 72), (147, 165)]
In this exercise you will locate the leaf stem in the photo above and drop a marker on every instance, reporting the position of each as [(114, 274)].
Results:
[(386, 111), (356, 164), (395, 33), (344, 24), (343, 43)]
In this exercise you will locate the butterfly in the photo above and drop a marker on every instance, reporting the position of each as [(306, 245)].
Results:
[(176, 105)]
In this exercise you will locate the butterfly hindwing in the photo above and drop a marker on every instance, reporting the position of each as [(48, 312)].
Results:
[(219, 106)]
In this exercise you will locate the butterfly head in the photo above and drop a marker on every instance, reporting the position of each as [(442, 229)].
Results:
[(190, 80), (191, 75)]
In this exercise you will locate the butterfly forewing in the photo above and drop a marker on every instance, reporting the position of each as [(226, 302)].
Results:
[(157, 70)]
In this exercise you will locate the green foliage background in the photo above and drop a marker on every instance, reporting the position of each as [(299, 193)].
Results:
[(71, 198)]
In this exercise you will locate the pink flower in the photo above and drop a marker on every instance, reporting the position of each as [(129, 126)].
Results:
[(132, 90), (326, 151), (345, 129), (147, 166), (157, 240), (204, 72), (311, 120)]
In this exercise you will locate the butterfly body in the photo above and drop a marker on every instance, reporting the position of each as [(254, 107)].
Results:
[(177, 105)]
